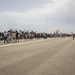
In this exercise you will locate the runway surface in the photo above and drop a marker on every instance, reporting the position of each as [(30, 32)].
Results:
[(54, 56)]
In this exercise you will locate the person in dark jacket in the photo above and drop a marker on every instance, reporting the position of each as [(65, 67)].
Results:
[(17, 36)]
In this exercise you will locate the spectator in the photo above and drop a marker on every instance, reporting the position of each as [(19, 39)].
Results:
[(5, 37), (17, 36)]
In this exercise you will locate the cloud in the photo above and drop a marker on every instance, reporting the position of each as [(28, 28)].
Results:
[(58, 14)]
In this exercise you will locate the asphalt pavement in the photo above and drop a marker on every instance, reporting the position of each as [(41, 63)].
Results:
[(52, 56)]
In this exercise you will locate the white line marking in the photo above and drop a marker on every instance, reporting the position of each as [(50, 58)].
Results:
[(21, 43)]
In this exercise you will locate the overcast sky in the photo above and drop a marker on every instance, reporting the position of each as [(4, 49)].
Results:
[(38, 15)]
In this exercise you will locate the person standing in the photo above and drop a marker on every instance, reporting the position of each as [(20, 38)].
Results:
[(0, 36), (5, 37), (17, 36), (73, 36), (9, 36)]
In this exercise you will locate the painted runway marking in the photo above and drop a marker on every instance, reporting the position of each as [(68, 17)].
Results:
[(21, 43)]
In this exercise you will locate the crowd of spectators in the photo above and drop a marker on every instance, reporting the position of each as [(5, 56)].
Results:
[(15, 35)]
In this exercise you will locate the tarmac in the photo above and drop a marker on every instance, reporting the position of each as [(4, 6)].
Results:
[(52, 56)]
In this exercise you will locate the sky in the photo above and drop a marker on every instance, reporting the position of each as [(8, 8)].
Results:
[(38, 15)]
